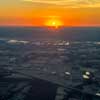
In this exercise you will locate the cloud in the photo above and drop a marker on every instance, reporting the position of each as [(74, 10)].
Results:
[(68, 3)]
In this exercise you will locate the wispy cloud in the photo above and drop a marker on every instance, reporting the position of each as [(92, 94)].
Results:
[(68, 3)]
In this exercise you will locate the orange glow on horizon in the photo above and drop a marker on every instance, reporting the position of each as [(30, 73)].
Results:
[(54, 22), (49, 13)]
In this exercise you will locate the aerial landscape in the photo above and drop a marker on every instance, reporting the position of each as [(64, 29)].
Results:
[(49, 50)]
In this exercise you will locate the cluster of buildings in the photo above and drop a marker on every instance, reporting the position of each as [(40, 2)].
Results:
[(72, 65)]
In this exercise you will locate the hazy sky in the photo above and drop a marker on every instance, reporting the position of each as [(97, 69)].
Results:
[(35, 12), (68, 3)]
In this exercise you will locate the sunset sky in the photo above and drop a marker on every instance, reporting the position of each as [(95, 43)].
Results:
[(37, 12)]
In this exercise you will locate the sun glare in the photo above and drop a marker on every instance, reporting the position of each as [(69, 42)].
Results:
[(53, 22)]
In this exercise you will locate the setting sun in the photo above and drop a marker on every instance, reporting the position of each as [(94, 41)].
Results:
[(53, 22)]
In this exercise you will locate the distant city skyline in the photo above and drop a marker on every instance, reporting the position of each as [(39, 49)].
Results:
[(37, 12)]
